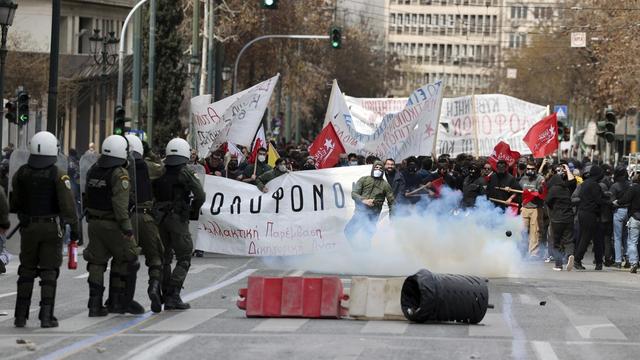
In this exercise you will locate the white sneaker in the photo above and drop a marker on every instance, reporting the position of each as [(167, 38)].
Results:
[(570, 263), (548, 259)]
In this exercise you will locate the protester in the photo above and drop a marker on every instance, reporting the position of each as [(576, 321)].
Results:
[(280, 169), (558, 200), (631, 199), (618, 190), (532, 211), (259, 167), (591, 200), (369, 194), (499, 185), (474, 185)]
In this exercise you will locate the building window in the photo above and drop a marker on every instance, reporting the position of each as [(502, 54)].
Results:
[(86, 31), (517, 40), (518, 12)]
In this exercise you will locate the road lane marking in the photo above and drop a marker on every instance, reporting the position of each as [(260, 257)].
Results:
[(139, 349), (78, 322), (185, 320), (98, 338), (385, 327), (163, 348), (280, 325), (544, 350), (519, 338), (8, 294)]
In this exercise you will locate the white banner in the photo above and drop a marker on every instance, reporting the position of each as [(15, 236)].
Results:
[(303, 212), (368, 113), (475, 124), (399, 135), (234, 119)]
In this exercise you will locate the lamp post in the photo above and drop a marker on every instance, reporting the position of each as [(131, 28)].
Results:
[(7, 12), (104, 54)]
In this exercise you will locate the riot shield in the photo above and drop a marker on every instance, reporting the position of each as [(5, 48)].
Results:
[(199, 171), (18, 158), (63, 162), (86, 162)]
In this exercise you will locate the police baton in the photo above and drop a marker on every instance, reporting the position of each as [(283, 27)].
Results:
[(13, 232)]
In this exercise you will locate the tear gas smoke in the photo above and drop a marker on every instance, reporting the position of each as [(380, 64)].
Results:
[(435, 234)]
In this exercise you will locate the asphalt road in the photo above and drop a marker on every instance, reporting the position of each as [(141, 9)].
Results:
[(587, 315)]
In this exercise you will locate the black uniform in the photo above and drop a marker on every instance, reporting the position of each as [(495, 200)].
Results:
[(472, 187)]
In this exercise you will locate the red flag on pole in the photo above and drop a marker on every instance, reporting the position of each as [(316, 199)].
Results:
[(326, 148), (542, 138), (503, 151), (259, 142)]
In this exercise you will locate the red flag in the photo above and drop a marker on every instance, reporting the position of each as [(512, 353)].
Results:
[(542, 138), (259, 142), (528, 196), (503, 151), (326, 148), (436, 185)]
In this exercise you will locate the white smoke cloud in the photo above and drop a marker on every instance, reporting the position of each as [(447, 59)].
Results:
[(438, 236)]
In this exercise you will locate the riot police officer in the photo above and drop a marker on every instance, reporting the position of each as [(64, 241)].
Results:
[(179, 196), (41, 193), (144, 224), (110, 229)]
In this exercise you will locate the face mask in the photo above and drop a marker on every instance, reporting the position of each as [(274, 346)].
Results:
[(353, 163), (522, 167), (261, 158), (282, 168), (233, 165), (309, 167), (377, 173), (412, 169), (531, 173)]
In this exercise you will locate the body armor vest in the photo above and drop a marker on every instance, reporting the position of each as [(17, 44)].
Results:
[(99, 190), (38, 186), (168, 188)]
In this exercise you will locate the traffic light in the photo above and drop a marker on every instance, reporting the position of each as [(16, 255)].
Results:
[(10, 112), (23, 108), (335, 35), (270, 4), (607, 128), (561, 128), (118, 126)]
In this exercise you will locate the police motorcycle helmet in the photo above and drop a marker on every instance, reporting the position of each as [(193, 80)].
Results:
[(178, 152), (113, 152), (43, 150), (135, 146)]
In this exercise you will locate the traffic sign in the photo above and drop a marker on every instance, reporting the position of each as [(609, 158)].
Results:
[(561, 111)]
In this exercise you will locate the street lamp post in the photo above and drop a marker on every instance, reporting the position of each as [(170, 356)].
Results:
[(104, 54), (7, 12)]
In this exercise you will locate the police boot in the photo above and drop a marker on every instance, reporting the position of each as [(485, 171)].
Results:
[(172, 300), (48, 286), (23, 301), (95, 301), (154, 295), (131, 306)]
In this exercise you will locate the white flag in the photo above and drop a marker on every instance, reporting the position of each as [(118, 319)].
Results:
[(233, 119)]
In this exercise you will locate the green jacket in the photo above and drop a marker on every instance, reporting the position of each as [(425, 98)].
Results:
[(263, 179), (369, 187), (189, 178)]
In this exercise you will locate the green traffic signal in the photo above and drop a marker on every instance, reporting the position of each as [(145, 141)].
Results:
[(118, 125), (269, 4), (23, 108), (335, 35)]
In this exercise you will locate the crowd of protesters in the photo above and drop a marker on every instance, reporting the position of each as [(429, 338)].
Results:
[(565, 206)]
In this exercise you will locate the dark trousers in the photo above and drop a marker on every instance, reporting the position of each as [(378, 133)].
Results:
[(589, 224), (562, 240), (606, 234)]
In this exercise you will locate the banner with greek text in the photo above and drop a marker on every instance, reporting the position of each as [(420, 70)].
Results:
[(475, 124), (399, 135), (233, 119), (303, 212)]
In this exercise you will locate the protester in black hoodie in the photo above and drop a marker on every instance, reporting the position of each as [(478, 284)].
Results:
[(591, 200), (558, 200)]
